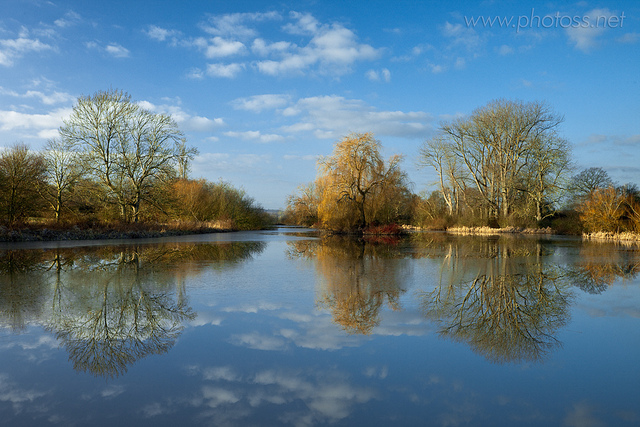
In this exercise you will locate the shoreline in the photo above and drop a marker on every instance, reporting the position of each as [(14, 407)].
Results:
[(105, 232), (506, 230)]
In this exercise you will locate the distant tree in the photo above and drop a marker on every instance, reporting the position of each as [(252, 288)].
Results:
[(22, 173), (126, 148), (185, 156), (587, 181), (302, 207)]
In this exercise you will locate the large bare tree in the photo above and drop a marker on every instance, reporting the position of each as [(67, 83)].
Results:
[(125, 147), (508, 150)]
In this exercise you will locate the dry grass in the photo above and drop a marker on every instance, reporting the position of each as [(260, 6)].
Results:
[(624, 237), (494, 231)]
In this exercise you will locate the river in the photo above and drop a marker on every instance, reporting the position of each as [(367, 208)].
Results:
[(285, 327)]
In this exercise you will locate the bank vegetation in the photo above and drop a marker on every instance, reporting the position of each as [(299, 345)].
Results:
[(504, 168), (115, 170)]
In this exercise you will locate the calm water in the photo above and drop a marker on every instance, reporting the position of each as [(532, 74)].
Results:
[(284, 328)]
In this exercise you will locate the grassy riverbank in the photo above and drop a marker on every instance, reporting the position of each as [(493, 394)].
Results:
[(51, 231)]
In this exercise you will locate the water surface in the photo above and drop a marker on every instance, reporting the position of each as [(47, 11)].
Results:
[(286, 328)]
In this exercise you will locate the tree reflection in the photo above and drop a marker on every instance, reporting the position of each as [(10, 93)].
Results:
[(22, 289), (124, 316), (504, 301), (601, 264), (357, 278), (112, 305)]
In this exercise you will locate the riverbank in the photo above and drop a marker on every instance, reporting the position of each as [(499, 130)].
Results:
[(110, 230), (625, 238), (494, 231)]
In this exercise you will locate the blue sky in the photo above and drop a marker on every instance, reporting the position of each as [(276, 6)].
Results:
[(263, 89)]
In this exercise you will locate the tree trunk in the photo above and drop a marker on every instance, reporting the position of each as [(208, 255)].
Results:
[(58, 207)]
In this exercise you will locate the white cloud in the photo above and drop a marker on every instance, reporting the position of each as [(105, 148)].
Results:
[(372, 75), (214, 396), (14, 120), (114, 49), (586, 38), (505, 50), (331, 400), (217, 47), (259, 103), (259, 342), (330, 49), (264, 48), (459, 35), (224, 70), (582, 415), (195, 74), (70, 18), (18, 398), (255, 136), (333, 48), (47, 99), (186, 121), (117, 51), (335, 116), (305, 24), (437, 68), (234, 24), (217, 373), (376, 76), (160, 34), (12, 49)]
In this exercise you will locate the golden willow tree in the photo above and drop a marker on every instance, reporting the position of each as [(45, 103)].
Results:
[(355, 188)]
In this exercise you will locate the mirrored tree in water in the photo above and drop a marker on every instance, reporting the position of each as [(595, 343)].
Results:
[(501, 297), (111, 306), (601, 264), (356, 278)]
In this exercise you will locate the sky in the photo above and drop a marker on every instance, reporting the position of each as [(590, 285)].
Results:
[(263, 89)]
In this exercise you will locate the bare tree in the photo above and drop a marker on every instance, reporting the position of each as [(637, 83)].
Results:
[(498, 147), (126, 148), (548, 168), (588, 181), (437, 154), (63, 170)]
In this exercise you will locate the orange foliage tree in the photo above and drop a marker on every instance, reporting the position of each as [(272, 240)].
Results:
[(604, 210)]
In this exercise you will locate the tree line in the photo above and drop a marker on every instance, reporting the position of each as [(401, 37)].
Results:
[(506, 164), (114, 160)]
